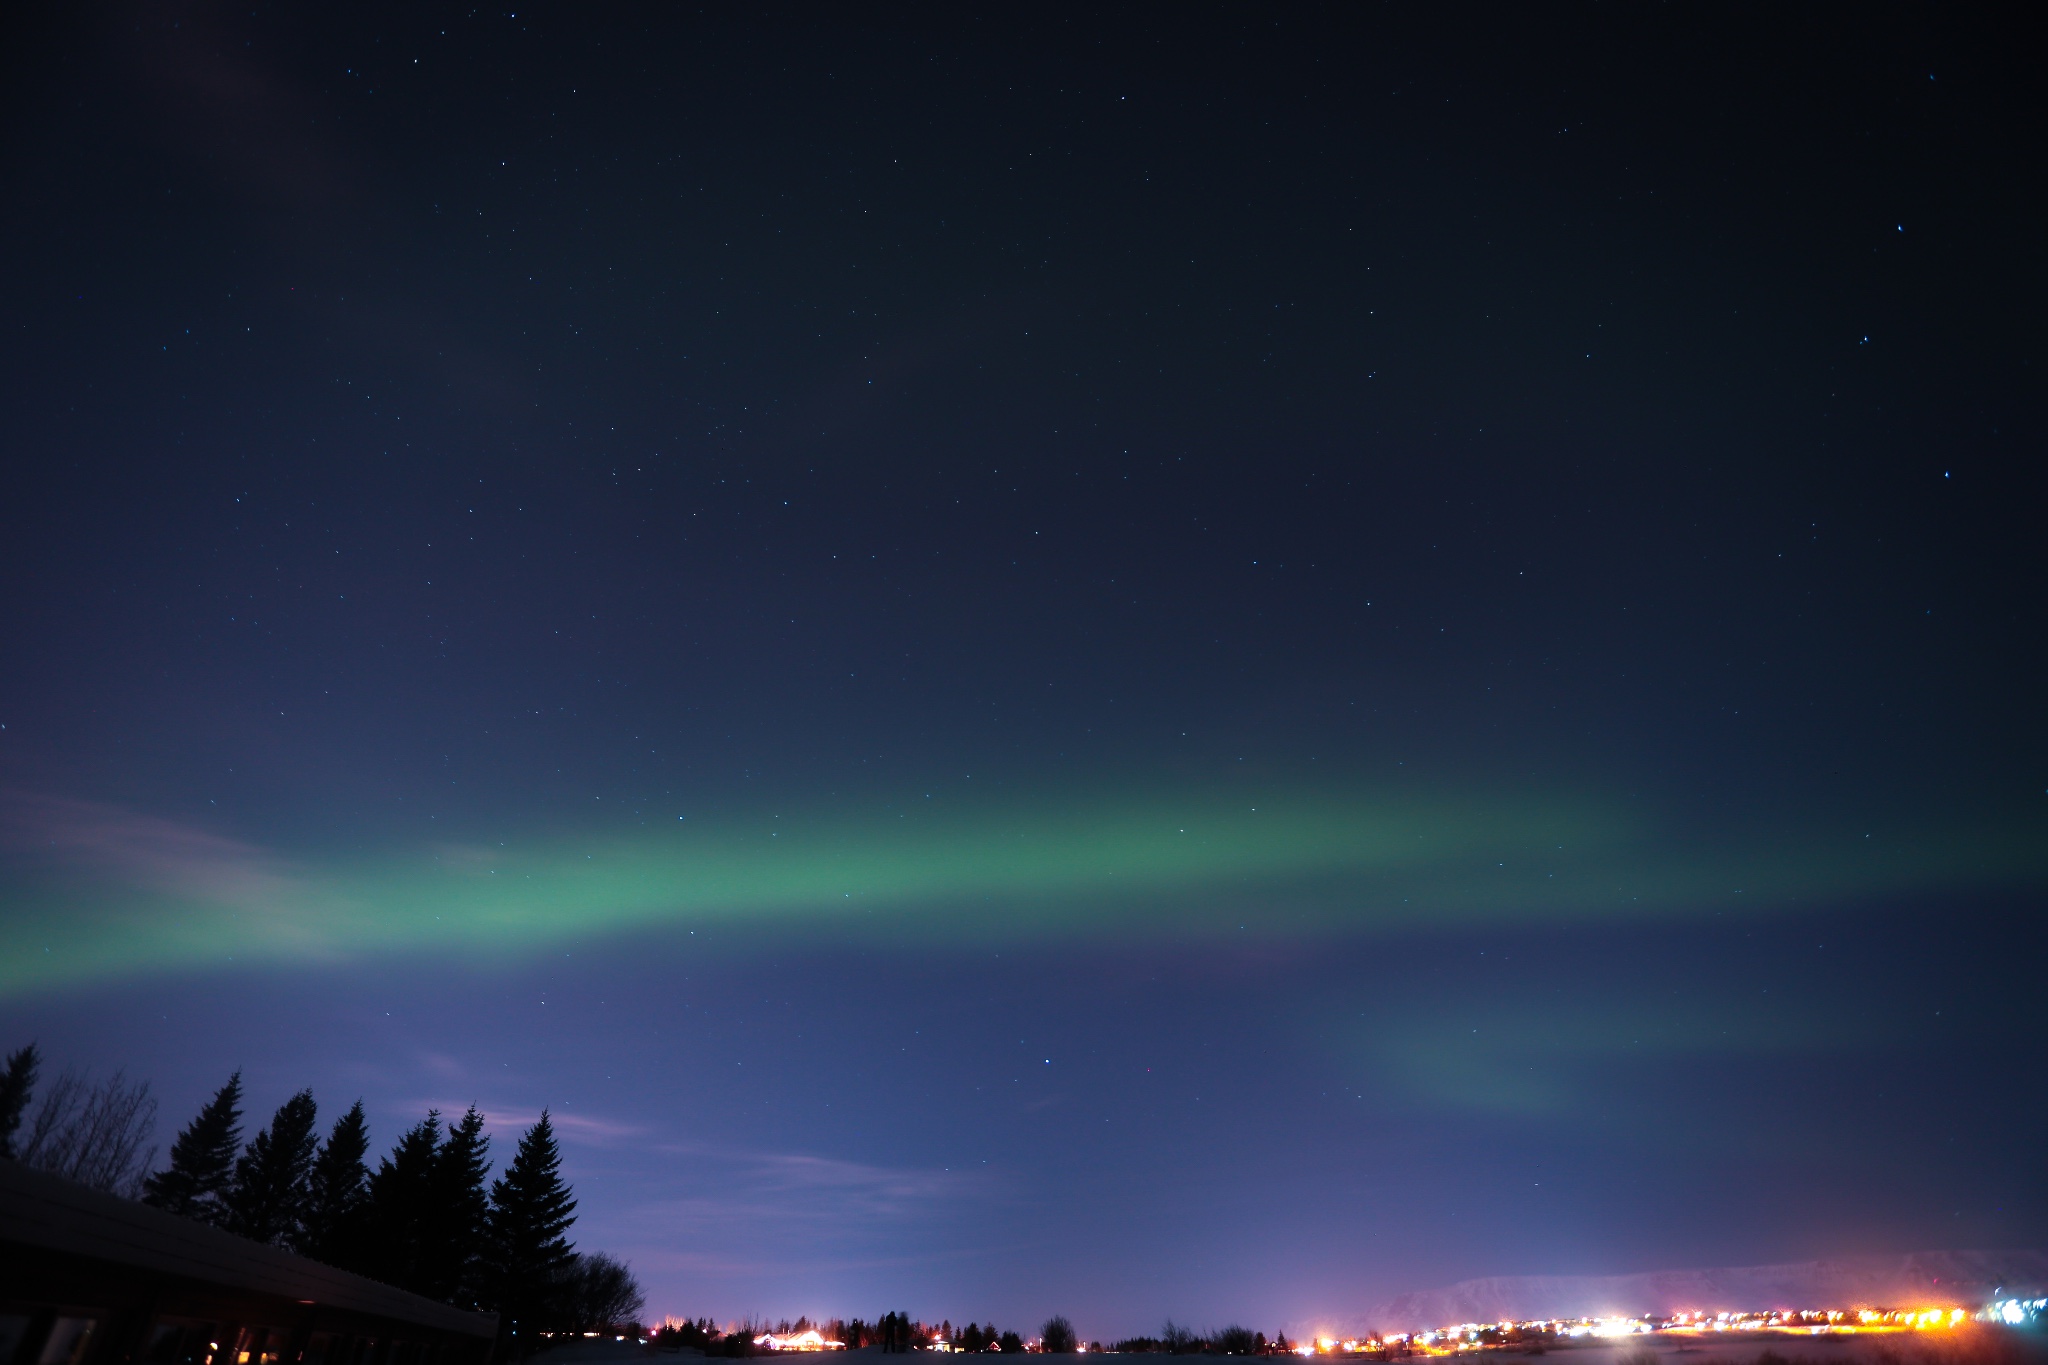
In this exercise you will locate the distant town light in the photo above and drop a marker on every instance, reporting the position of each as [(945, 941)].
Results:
[(813, 1340)]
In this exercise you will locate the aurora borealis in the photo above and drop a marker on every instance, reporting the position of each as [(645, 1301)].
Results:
[(1049, 662), (1295, 864)]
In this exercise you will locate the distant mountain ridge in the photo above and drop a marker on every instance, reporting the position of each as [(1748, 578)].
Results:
[(1924, 1278)]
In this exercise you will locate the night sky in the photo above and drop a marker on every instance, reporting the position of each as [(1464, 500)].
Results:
[(1197, 661)]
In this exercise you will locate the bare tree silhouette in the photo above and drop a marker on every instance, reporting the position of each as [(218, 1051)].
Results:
[(604, 1292), (95, 1134), (1057, 1336)]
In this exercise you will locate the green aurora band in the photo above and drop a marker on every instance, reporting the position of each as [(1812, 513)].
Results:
[(1152, 866)]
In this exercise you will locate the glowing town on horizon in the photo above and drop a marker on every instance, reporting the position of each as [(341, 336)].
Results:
[(1474, 1336)]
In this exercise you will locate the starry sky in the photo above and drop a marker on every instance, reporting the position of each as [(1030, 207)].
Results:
[(1130, 662)]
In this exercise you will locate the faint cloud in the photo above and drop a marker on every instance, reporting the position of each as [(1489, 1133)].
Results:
[(738, 1216), (110, 843), (588, 1129), (777, 1262), (750, 1188), (880, 1187), (241, 118), (581, 1129), (272, 140)]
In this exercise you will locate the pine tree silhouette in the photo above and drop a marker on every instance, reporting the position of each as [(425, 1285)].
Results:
[(16, 1084), (336, 1194), (401, 1193), (453, 1227), (202, 1159), (268, 1197), (531, 1212)]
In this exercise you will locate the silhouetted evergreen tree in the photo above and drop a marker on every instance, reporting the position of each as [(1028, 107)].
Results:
[(202, 1159), (16, 1085), (452, 1230), (336, 1193), (528, 1249), (401, 1194), (267, 1200)]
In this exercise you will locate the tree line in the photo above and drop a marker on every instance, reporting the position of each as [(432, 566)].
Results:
[(896, 1332), (899, 1332), (429, 1218), (1175, 1339)]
